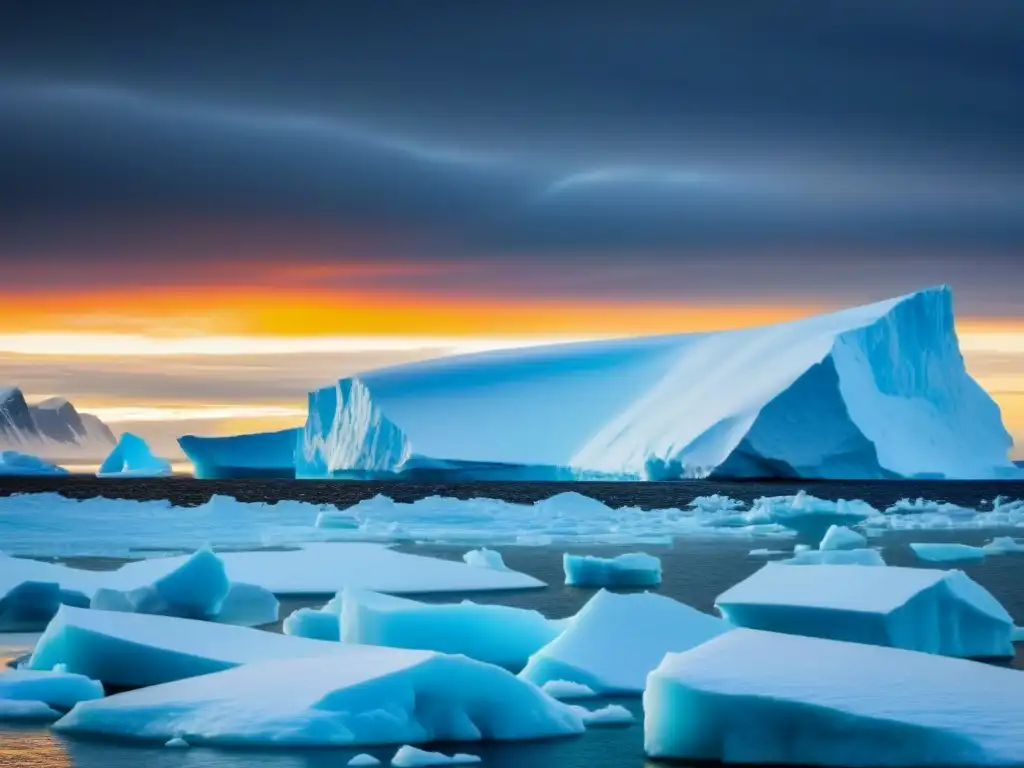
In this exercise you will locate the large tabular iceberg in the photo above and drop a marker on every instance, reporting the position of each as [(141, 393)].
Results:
[(942, 612), (264, 454), (361, 696), (871, 392), (763, 698)]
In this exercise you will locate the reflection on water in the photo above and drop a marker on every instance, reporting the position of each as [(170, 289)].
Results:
[(31, 748)]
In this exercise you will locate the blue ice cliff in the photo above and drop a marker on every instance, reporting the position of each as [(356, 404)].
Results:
[(872, 392)]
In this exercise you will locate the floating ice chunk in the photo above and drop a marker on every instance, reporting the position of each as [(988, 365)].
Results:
[(636, 569), (14, 463), (497, 634), (323, 569), (131, 457), (57, 690), (1017, 635), (361, 695), (565, 689), (195, 589), (613, 714), (248, 605), (23, 710), (934, 611), (485, 558), (177, 743), (766, 552), (615, 640), (836, 557), (31, 591), (363, 761), (840, 537), (1002, 545), (316, 624), (798, 548), (133, 649), (410, 757), (759, 697), (947, 552)]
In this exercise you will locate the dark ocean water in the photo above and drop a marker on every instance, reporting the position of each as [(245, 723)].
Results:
[(695, 572)]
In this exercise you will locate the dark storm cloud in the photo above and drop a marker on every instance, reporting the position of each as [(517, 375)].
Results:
[(547, 128)]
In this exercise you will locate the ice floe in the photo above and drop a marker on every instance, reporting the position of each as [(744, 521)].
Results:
[(497, 634), (31, 695), (616, 640), (839, 537), (940, 612), (947, 552), (759, 697), (360, 696), (411, 757), (634, 569), (835, 557)]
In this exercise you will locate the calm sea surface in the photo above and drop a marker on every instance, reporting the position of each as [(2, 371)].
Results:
[(695, 572)]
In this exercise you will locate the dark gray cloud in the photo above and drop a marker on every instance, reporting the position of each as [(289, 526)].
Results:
[(557, 130)]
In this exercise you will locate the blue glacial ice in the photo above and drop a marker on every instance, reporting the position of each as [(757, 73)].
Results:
[(128, 650), (14, 463), (31, 695), (615, 640), (610, 714), (752, 697), (948, 552), (260, 455), (131, 457), (359, 696), (836, 557), (938, 612), (1002, 545), (839, 537), (316, 623), (563, 689), (496, 634), (411, 757), (363, 761), (872, 392), (249, 605), (635, 569)]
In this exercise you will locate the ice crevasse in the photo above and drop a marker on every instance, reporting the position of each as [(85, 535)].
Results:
[(871, 392)]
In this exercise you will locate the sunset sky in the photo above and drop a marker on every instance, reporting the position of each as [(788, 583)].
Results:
[(208, 208)]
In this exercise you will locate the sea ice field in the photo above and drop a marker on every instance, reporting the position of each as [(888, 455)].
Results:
[(454, 565)]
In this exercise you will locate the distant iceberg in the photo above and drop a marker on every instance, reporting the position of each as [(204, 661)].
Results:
[(264, 454), (873, 392), (14, 463), (131, 457)]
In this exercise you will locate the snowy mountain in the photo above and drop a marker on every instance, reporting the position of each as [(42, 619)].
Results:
[(871, 392), (52, 428)]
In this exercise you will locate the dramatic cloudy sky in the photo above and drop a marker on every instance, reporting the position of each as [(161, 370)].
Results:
[(207, 208)]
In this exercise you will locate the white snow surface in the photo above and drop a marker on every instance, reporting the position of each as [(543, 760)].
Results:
[(485, 558), (131, 457), (616, 640), (869, 392), (760, 697), (359, 696), (935, 611)]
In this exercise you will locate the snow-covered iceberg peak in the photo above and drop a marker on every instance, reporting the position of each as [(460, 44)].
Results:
[(870, 392), (346, 432)]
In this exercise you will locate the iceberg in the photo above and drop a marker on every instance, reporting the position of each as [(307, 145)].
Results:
[(485, 558), (14, 463), (18, 710), (616, 640), (177, 743), (938, 612), (563, 689), (497, 634), (948, 553), (636, 569), (835, 557), (47, 691), (31, 592), (261, 455), (248, 605), (612, 714), (360, 696), (363, 761), (196, 589), (1002, 545), (129, 650), (839, 537), (410, 757), (873, 392), (325, 568), (131, 457), (763, 698), (316, 624)]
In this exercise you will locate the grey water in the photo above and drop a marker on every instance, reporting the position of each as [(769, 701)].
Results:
[(695, 571)]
